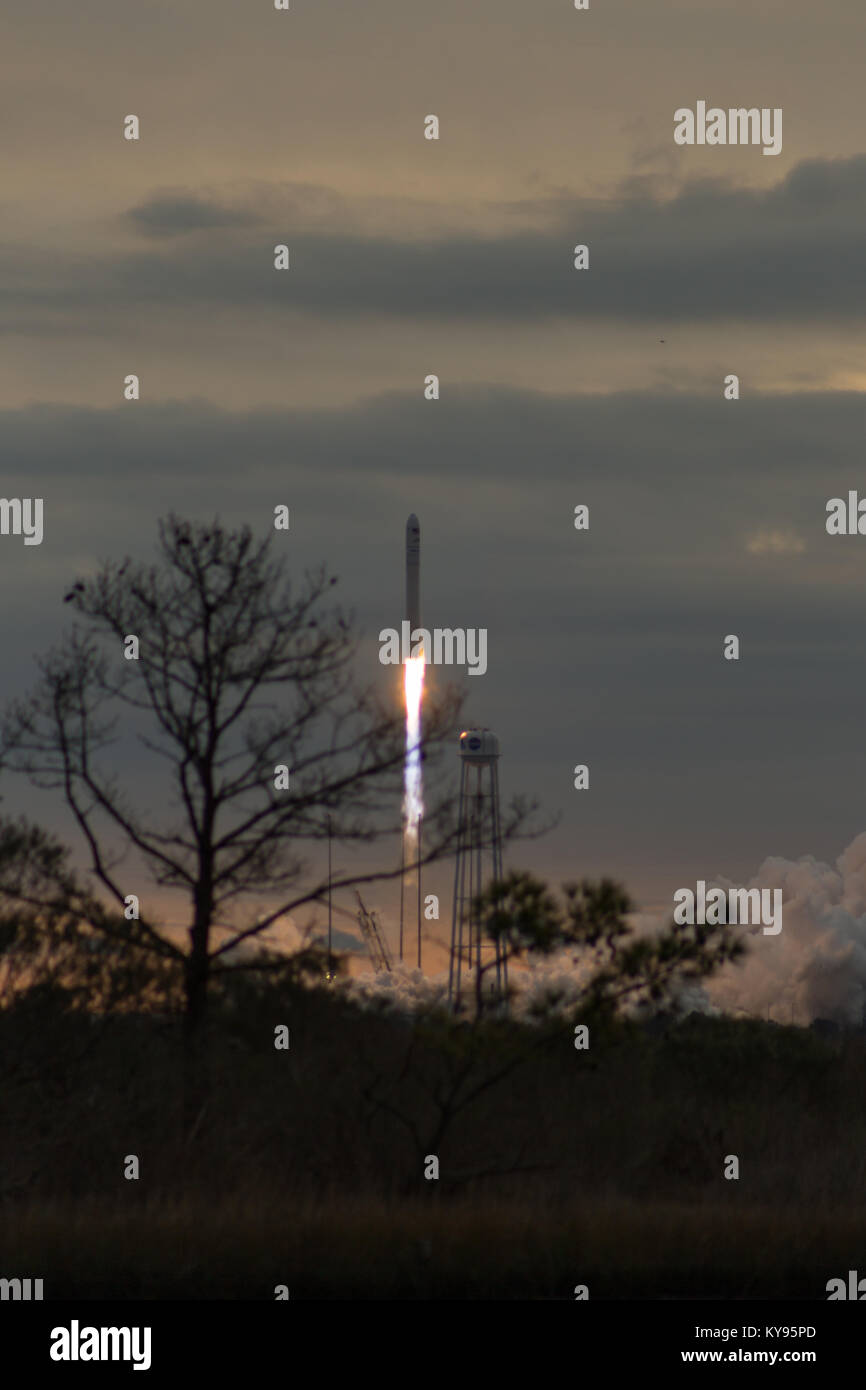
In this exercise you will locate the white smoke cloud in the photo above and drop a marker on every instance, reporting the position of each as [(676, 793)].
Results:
[(540, 989), (403, 989), (816, 966)]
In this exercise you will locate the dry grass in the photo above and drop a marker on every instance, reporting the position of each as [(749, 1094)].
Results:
[(430, 1249), (306, 1167)]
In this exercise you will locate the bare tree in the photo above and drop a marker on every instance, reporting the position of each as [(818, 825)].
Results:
[(237, 673)]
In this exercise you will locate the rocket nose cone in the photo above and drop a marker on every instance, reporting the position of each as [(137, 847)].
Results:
[(412, 523)]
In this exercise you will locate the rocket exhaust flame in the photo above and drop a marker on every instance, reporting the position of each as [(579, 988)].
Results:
[(413, 690), (413, 685), (413, 801)]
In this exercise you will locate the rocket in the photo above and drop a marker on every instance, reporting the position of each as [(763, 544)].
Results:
[(413, 573)]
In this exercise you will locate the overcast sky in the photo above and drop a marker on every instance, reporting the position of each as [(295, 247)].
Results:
[(455, 257)]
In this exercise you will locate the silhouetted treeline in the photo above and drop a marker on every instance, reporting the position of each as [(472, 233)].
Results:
[(344, 1119)]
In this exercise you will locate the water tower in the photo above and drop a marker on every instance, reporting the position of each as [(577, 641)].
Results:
[(479, 861)]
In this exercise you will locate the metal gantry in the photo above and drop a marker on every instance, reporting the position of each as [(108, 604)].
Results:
[(478, 862), (373, 937)]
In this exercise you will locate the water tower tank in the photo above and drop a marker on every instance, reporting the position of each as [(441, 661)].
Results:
[(478, 747)]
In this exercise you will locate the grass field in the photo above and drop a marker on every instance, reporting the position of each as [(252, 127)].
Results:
[(488, 1248), (306, 1167)]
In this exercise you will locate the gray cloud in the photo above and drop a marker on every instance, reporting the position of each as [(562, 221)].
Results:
[(170, 214), (714, 251)]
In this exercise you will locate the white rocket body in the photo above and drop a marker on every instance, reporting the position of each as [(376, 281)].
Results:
[(413, 573)]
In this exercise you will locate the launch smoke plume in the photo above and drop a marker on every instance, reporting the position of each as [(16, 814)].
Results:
[(816, 966)]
